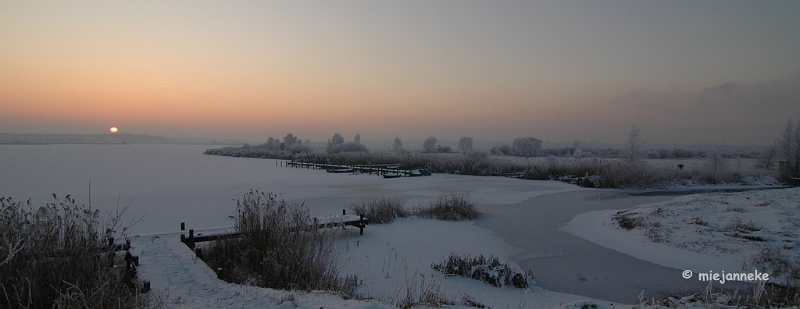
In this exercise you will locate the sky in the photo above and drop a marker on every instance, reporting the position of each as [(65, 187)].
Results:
[(683, 71)]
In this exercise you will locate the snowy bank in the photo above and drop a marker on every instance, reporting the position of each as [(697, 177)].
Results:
[(705, 232)]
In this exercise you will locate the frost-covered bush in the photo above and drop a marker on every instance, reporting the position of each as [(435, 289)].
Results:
[(490, 270)]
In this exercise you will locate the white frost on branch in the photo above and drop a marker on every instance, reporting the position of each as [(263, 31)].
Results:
[(12, 250)]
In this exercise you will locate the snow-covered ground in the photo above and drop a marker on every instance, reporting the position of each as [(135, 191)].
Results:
[(705, 233), (389, 260)]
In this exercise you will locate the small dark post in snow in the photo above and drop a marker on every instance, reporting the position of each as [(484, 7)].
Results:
[(344, 212), (361, 224), (145, 286), (191, 238)]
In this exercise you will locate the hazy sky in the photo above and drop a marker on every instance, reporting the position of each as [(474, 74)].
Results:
[(683, 71)]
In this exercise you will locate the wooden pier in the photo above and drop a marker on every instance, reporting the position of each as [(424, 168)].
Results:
[(358, 221), (376, 169)]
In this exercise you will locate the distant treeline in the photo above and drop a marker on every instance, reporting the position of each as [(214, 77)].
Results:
[(121, 138)]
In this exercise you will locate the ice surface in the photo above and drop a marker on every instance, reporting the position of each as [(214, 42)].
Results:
[(522, 221)]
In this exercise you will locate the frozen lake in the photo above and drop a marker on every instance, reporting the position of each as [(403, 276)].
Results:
[(169, 184)]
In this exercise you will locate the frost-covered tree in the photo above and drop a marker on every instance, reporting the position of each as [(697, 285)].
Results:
[(397, 146), (465, 144), (429, 144), (273, 144), (357, 139), (577, 153), (337, 139), (526, 147), (634, 145), (289, 140)]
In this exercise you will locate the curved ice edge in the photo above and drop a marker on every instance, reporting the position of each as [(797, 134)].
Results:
[(598, 227)]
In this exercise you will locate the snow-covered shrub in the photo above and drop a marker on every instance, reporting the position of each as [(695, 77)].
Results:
[(489, 271), (381, 210), (452, 207)]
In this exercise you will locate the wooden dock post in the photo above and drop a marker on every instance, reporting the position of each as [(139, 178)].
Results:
[(191, 238), (183, 226), (361, 225)]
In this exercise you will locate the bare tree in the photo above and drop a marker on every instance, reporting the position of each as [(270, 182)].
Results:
[(767, 158), (633, 149), (465, 144), (397, 146), (790, 146), (357, 138), (429, 145), (718, 163)]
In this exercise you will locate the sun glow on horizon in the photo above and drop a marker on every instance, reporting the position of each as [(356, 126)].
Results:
[(555, 71)]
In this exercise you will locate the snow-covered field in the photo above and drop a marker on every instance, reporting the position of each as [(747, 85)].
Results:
[(172, 184)]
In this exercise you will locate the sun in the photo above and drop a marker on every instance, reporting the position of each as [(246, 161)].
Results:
[(113, 130)]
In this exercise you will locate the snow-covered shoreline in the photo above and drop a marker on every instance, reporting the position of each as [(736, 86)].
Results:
[(712, 232)]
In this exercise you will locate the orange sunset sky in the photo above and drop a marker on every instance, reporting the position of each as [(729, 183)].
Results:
[(683, 71)]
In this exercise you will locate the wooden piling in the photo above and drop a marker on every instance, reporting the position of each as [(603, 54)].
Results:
[(361, 225)]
